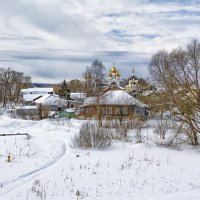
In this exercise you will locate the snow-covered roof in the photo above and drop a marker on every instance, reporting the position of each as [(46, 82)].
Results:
[(36, 90), (30, 97), (90, 100), (117, 97), (49, 99), (70, 110), (114, 97), (43, 98), (140, 104)]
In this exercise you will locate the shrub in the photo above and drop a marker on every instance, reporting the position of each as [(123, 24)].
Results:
[(92, 136), (121, 134)]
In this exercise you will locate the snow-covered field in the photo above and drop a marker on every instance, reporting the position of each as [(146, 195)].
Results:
[(46, 167)]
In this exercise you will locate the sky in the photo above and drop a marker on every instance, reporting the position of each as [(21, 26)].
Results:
[(52, 40)]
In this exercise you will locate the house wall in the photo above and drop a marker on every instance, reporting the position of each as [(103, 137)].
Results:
[(27, 113), (107, 111), (141, 111), (88, 112)]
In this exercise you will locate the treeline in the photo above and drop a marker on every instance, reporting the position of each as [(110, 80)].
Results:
[(11, 83)]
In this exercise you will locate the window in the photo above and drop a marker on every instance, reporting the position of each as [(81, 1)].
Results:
[(104, 110), (87, 110), (125, 111), (117, 111), (109, 110)]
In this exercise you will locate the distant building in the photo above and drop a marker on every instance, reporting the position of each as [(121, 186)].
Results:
[(55, 103), (68, 113), (27, 112), (113, 100), (132, 86), (114, 77), (30, 94)]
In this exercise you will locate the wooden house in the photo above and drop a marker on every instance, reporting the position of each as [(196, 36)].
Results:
[(114, 103)]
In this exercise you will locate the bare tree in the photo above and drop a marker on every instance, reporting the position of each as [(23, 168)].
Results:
[(75, 85), (97, 69), (94, 77), (178, 73), (11, 84)]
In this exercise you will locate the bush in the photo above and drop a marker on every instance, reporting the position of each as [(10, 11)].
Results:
[(120, 134), (92, 136)]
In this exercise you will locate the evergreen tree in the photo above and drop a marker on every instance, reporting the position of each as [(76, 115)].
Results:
[(64, 91)]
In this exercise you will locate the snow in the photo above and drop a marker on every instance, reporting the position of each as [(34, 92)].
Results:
[(51, 99), (26, 107), (42, 99), (90, 101), (70, 110), (117, 97), (36, 90), (46, 167), (30, 97)]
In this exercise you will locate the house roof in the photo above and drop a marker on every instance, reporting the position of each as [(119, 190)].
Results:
[(117, 97), (90, 101), (51, 99), (114, 97), (43, 98), (70, 110), (30, 97)]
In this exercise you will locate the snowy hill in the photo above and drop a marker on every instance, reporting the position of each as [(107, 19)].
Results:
[(46, 167)]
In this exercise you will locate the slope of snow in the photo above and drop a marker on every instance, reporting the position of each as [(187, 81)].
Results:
[(126, 171)]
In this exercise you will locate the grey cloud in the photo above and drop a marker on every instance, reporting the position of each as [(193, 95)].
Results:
[(68, 35), (59, 66), (43, 55), (19, 38), (49, 17)]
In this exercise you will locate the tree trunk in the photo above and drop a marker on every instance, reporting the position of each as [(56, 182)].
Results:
[(195, 141)]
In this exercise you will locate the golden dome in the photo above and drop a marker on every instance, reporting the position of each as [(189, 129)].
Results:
[(114, 70), (117, 74)]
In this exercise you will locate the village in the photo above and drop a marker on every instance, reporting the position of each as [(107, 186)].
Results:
[(99, 100), (114, 100)]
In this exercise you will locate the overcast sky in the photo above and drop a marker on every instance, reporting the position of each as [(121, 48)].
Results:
[(55, 39)]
